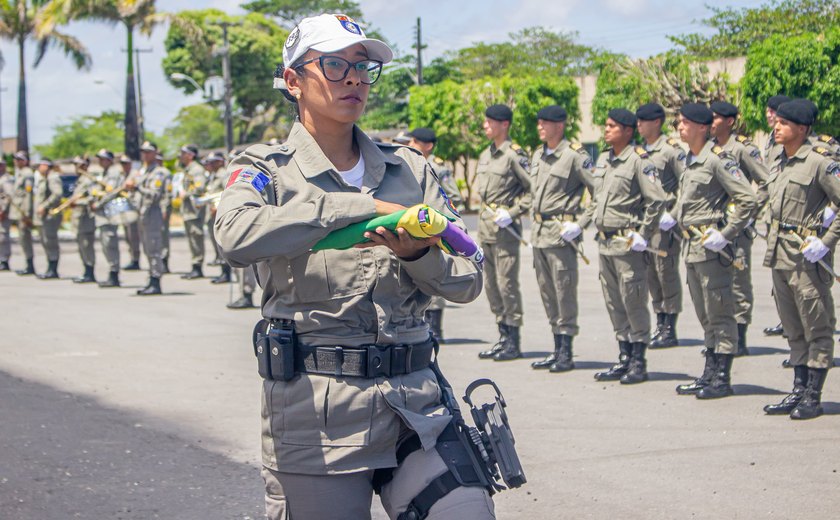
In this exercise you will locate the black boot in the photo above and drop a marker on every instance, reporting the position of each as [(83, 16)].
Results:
[(553, 357), (786, 364), (660, 320), (245, 302), (194, 274), (668, 333), (742, 341), (495, 349), (774, 331), (113, 280), (216, 261), (165, 261), (434, 317), (152, 288), (702, 381), (4, 266), (637, 372), (625, 349), (30, 268), (720, 384), (809, 407), (133, 266), (564, 361), (511, 350), (87, 277), (800, 381), (52, 271), (224, 277)]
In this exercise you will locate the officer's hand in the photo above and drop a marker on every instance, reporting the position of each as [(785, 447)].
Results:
[(502, 218), (41, 212), (570, 231), (386, 208), (637, 242), (130, 184), (828, 216), (93, 206), (713, 240), (814, 249), (401, 243), (666, 221)]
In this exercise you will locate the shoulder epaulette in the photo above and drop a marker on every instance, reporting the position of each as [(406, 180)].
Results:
[(641, 151), (266, 150), (576, 147), (825, 138), (438, 160), (743, 139), (673, 142), (518, 149), (823, 151)]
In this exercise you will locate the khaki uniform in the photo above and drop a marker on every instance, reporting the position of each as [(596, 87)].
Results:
[(195, 181), (7, 190), (215, 183), (132, 231), (748, 157), (447, 183), (166, 213), (108, 232), (83, 220), (558, 180), (799, 189), (503, 182), (709, 183), (152, 187), (663, 274), (24, 199), (353, 297), (630, 198), (48, 195)]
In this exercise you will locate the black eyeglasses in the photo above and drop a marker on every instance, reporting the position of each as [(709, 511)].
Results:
[(336, 69)]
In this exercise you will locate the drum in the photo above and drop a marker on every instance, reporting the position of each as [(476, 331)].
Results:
[(120, 212)]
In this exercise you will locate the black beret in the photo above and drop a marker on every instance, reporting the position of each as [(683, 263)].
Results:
[(499, 113), (650, 112), (190, 148), (775, 101), (554, 113), (797, 111), (724, 109), (622, 116), (810, 104), (697, 113), (424, 135)]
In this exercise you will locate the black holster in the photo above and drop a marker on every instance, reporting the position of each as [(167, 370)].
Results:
[(274, 346)]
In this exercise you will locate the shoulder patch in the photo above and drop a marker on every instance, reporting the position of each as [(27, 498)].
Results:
[(833, 169), (524, 162), (651, 172), (732, 167), (257, 179), (823, 151), (755, 153), (641, 151)]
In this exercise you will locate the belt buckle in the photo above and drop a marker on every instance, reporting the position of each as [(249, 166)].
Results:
[(378, 361)]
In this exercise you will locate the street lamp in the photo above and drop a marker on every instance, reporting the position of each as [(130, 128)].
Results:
[(177, 76)]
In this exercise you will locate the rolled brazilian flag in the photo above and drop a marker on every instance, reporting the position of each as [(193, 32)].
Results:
[(419, 221)]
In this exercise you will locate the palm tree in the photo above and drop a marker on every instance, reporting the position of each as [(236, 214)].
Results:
[(18, 23), (139, 15)]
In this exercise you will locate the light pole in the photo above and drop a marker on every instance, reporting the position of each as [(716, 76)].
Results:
[(177, 76)]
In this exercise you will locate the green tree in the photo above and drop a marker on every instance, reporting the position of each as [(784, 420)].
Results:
[(85, 134), (387, 105), (671, 79), (290, 12), (802, 66), (456, 112), (200, 124), (739, 29), (134, 15), (20, 22), (255, 50)]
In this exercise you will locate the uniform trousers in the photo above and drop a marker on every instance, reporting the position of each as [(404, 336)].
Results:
[(806, 307), (742, 287), (150, 233), (501, 281), (110, 240), (5, 240), (624, 283), (49, 237), (557, 276), (25, 238), (663, 274), (132, 238), (710, 284), (194, 229)]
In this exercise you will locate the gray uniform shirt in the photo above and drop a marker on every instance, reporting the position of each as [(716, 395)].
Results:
[(195, 181), (503, 181), (113, 178), (48, 195), (669, 158), (24, 193), (7, 190)]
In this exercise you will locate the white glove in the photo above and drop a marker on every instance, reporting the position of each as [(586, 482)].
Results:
[(714, 240), (828, 216), (570, 231), (502, 218), (638, 242), (666, 221), (814, 249)]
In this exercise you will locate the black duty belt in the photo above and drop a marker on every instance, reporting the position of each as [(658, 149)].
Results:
[(367, 361), (561, 217)]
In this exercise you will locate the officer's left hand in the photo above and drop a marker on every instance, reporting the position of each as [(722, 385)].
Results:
[(828, 216), (713, 240), (502, 218), (405, 246), (814, 249)]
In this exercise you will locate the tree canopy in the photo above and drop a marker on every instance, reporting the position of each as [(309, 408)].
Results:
[(87, 134)]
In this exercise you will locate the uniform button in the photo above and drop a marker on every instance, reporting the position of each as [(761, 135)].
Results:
[(275, 351)]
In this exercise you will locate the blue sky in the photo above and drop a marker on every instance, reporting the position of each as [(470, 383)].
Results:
[(57, 92)]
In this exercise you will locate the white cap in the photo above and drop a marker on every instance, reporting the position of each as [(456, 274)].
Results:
[(330, 33)]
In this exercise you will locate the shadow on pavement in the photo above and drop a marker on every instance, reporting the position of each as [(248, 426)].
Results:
[(690, 343), (831, 408), (668, 376), (166, 293), (464, 341), (592, 365), (767, 351), (66, 456), (756, 390)]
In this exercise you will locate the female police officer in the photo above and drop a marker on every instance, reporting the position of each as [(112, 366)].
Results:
[(361, 386)]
